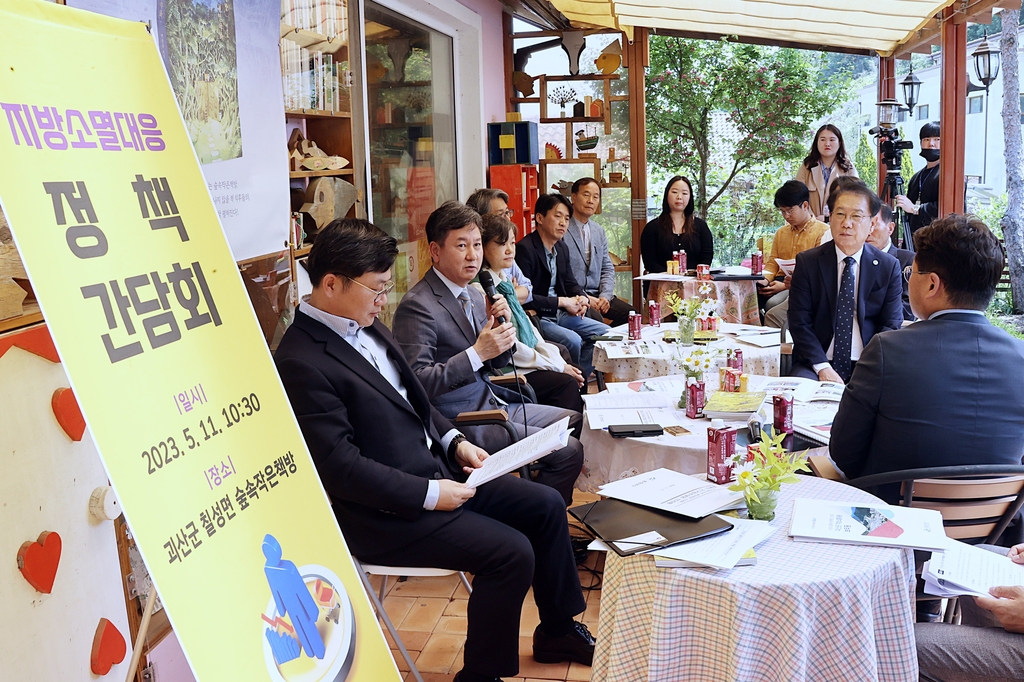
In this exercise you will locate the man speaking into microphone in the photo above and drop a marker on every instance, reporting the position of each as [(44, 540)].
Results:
[(452, 339)]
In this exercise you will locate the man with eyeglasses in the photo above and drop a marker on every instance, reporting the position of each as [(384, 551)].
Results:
[(882, 227), (395, 468), (843, 292)]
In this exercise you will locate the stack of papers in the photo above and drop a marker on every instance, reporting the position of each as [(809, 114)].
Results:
[(814, 420), (529, 449), (618, 350), (674, 385), (733, 406), (868, 524), (605, 409), (749, 558), (674, 492), (761, 339), (720, 551), (963, 569)]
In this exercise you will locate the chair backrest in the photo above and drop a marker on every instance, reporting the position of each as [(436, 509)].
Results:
[(822, 467), (976, 502), (785, 351)]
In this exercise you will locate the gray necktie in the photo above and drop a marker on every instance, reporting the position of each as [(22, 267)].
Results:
[(467, 307)]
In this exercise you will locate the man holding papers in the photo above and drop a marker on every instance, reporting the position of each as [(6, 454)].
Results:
[(948, 389), (982, 653), (392, 465)]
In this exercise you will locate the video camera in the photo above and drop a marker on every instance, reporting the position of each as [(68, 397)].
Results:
[(891, 146)]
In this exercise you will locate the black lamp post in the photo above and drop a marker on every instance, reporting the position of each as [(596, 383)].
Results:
[(986, 68)]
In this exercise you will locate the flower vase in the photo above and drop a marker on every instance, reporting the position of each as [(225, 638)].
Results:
[(687, 327), (764, 508)]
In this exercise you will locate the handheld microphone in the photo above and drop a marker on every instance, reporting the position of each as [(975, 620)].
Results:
[(487, 282)]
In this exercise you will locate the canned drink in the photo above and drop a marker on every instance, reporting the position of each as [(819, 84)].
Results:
[(756, 263), (721, 448), (654, 307), (671, 267), (703, 271), (737, 359), (681, 258), (721, 378), (695, 399), (783, 413), (732, 380), (635, 326)]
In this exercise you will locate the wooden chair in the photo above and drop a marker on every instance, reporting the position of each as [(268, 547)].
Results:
[(822, 467), (785, 351)]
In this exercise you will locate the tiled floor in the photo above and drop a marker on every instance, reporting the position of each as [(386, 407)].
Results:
[(430, 614)]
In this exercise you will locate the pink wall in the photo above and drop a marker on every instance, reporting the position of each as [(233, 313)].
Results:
[(494, 60)]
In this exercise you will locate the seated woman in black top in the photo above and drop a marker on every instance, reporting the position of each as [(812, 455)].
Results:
[(676, 229)]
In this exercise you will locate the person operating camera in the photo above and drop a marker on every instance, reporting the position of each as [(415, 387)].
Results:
[(921, 201)]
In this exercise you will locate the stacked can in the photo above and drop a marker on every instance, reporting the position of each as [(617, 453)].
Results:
[(756, 263)]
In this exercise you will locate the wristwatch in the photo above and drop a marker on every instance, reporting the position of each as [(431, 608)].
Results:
[(454, 445)]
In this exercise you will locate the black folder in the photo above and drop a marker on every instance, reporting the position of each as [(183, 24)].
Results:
[(612, 520)]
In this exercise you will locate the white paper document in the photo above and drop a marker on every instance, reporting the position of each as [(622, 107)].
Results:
[(674, 492), (723, 550), (766, 340), (662, 277), (612, 401), (602, 419), (737, 328), (964, 569), (670, 385), (786, 265), (533, 447), (648, 348), (867, 524), (650, 538)]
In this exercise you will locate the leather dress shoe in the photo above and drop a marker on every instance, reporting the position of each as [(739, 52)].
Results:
[(459, 678), (577, 646)]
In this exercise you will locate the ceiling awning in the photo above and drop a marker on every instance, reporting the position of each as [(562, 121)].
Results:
[(876, 25)]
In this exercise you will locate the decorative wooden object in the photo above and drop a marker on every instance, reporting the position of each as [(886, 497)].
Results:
[(68, 413), (108, 648), (12, 295), (38, 561)]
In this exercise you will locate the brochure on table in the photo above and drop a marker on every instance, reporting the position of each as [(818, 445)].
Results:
[(674, 492), (867, 524), (964, 569), (720, 551)]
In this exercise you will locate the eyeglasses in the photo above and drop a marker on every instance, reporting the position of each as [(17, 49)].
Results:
[(507, 213), (909, 270), (856, 217), (376, 294)]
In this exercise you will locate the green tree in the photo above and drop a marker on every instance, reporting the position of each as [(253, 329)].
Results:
[(866, 160), (716, 109)]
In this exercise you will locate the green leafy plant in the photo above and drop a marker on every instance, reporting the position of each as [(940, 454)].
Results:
[(693, 307), (771, 467)]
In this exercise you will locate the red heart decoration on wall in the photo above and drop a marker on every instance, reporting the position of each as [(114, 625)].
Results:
[(108, 648), (68, 414), (38, 561)]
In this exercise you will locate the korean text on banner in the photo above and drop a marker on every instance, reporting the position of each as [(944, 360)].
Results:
[(112, 217)]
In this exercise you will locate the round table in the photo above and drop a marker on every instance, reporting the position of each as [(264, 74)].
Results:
[(736, 300), (805, 611)]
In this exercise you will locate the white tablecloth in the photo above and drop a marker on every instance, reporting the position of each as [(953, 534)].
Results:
[(735, 300), (806, 611)]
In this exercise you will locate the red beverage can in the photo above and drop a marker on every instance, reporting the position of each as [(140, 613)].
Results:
[(681, 259), (655, 313), (783, 413), (756, 263), (703, 271), (721, 448), (635, 326), (695, 399), (737, 359)]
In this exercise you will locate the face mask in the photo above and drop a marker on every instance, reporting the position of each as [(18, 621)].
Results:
[(930, 155)]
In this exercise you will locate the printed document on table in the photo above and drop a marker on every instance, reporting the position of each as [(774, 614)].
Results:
[(609, 401), (533, 447), (867, 523), (673, 492), (602, 419), (786, 265), (621, 350), (964, 569), (723, 550), (674, 385)]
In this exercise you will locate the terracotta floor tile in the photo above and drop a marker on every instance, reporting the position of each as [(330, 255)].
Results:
[(590, 616), (442, 586), (436, 677), (403, 665), (578, 673), (526, 645), (531, 668), (413, 641), (529, 620), (451, 624), (424, 614), (398, 608), (456, 608), (440, 652)]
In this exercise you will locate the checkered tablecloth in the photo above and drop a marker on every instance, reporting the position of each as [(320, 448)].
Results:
[(806, 611)]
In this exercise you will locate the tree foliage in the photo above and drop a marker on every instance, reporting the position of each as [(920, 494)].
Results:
[(716, 109), (865, 160)]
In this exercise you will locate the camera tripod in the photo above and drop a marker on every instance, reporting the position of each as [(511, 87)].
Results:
[(892, 188)]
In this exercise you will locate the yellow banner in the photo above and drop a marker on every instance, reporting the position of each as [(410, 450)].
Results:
[(109, 210)]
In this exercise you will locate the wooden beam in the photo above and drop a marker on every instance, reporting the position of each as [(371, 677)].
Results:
[(508, 49), (637, 88), (978, 12), (953, 97)]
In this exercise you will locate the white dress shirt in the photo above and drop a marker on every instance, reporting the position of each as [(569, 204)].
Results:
[(474, 358), (856, 343), (377, 355)]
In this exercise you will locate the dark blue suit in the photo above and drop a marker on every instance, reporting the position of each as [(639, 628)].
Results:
[(906, 259), (940, 392), (812, 301)]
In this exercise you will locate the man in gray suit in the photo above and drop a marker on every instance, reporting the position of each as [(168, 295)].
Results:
[(948, 389), (589, 259), (449, 335)]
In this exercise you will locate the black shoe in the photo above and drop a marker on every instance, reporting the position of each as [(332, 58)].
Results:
[(579, 548), (577, 646), (459, 677)]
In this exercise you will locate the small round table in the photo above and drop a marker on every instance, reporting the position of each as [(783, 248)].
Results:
[(805, 611)]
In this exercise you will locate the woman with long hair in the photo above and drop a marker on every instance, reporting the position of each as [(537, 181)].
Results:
[(826, 161), (676, 229), (555, 381)]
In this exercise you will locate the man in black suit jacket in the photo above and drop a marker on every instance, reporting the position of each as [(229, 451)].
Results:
[(948, 389), (392, 465), (843, 292), (558, 299), (448, 334), (882, 227)]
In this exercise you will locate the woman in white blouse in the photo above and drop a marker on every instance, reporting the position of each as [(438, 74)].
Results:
[(826, 161), (555, 381)]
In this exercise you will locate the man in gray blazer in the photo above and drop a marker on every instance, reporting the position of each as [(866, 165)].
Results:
[(589, 259), (448, 334), (948, 389)]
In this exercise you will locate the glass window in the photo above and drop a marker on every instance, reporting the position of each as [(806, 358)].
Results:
[(974, 105), (922, 112), (901, 116), (411, 121)]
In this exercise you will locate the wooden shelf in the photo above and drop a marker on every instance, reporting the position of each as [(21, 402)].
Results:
[(615, 185), (584, 77), (624, 267), (30, 315), (320, 173), (316, 113), (574, 119), (312, 40), (304, 251)]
